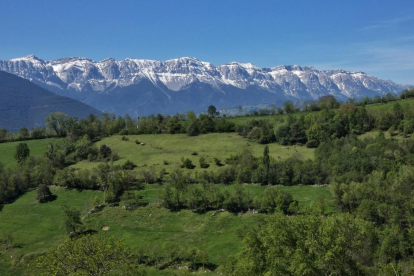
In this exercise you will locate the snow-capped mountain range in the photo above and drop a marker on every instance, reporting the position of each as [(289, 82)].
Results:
[(177, 85)]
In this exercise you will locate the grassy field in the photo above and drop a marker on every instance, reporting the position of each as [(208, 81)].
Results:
[(387, 135), (35, 227), (171, 148), (389, 106), (37, 148), (372, 108)]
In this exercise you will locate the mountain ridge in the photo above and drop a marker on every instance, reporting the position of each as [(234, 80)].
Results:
[(25, 104), (170, 80)]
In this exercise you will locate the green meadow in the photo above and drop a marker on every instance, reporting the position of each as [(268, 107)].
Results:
[(172, 148), (37, 148)]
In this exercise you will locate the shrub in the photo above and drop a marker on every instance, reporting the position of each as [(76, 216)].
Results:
[(124, 138), (166, 162), (105, 151), (203, 163), (148, 175), (312, 144), (218, 162), (43, 194), (194, 153), (137, 142), (128, 165), (22, 153), (187, 163), (115, 157)]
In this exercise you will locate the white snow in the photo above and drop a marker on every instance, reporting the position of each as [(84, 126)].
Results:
[(176, 73)]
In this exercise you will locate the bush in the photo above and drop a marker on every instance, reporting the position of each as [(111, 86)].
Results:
[(312, 144), (194, 153), (124, 138), (105, 151), (187, 163), (128, 165), (137, 142), (115, 157), (22, 153), (203, 163), (166, 162), (148, 175), (218, 162), (43, 194)]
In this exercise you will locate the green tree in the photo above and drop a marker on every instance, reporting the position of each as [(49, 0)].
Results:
[(90, 255), (73, 220), (43, 194), (105, 151), (57, 122), (24, 133), (288, 107), (22, 153), (55, 155), (3, 134), (212, 111), (191, 116), (306, 245), (266, 163)]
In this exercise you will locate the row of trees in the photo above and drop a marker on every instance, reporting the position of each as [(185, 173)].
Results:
[(61, 125), (205, 197)]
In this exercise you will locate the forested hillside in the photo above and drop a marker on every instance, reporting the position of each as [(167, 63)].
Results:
[(323, 190), (24, 104)]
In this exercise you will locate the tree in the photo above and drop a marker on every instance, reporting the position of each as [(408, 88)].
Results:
[(90, 255), (22, 153), (105, 151), (56, 156), (328, 101), (212, 111), (57, 122), (73, 221), (193, 129), (306, 245), (3, 134), (24, 133), (288, 107), (43, 193), (191, 116), (266, 162)]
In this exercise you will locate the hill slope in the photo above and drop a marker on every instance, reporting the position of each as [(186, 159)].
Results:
[(25, 104)]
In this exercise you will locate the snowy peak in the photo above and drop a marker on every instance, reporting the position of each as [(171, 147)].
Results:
[(302, 83), (29, 58)]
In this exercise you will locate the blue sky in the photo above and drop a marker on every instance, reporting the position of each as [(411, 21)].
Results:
[(376, 37)]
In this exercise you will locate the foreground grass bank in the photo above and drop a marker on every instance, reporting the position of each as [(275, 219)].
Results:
[(36, 227)]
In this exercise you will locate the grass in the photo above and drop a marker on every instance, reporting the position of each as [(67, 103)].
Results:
[(387, 135), (371, 108), (37, 148), (36, 227), (171, 148), (388, 106)]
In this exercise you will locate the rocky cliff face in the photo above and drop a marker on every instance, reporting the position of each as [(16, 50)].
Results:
[(150, 86)]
